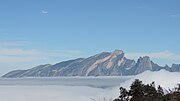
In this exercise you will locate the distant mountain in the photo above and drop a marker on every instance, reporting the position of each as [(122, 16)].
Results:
[(103, 64)]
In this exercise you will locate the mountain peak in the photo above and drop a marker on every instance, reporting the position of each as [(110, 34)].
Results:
[(144, 63), (117, 52), (145, 58)]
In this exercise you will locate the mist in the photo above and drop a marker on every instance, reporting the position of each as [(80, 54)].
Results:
[(78, 88)]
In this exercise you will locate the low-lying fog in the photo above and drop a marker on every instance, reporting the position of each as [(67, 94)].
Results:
[(77, 88)]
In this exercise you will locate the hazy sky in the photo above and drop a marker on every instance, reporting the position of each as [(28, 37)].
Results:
[(34, 32)]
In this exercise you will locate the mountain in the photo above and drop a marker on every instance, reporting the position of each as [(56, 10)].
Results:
[(103, 64)]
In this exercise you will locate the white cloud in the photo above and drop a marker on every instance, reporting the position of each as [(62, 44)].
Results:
[(164, 78), (17, 52), (20, 55), (10, 59), (66, 89), (44, 12), (167, 55), (63, 53), (8, 44), (174, 15), (13, 43), (54, 93)]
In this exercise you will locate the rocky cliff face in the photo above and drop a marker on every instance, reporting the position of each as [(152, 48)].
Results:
[(103, 64), (143, 64)]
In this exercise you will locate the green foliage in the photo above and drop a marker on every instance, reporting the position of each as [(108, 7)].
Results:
[(179, 87), (175, 96), (141, 92), (123, 94), (160, 90)]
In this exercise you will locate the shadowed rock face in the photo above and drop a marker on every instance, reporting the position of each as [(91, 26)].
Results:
[(103, 64), (143, 64)]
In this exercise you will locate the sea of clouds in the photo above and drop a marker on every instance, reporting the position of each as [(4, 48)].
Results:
[(78, 88), (167, 80)]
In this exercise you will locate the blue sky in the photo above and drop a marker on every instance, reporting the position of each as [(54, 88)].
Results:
[(34, 32)]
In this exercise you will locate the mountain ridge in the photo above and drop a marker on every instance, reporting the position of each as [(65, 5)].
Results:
[(104, 64)]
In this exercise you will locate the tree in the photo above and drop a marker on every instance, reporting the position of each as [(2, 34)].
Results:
[(136, 90), (118, 100), (148, 92), (178, 87), (123, 94), (160, 90)]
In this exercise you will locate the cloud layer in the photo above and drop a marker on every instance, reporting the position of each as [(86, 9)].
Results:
[(20, 55), (14, 43), (168, 80), (70, 92)]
